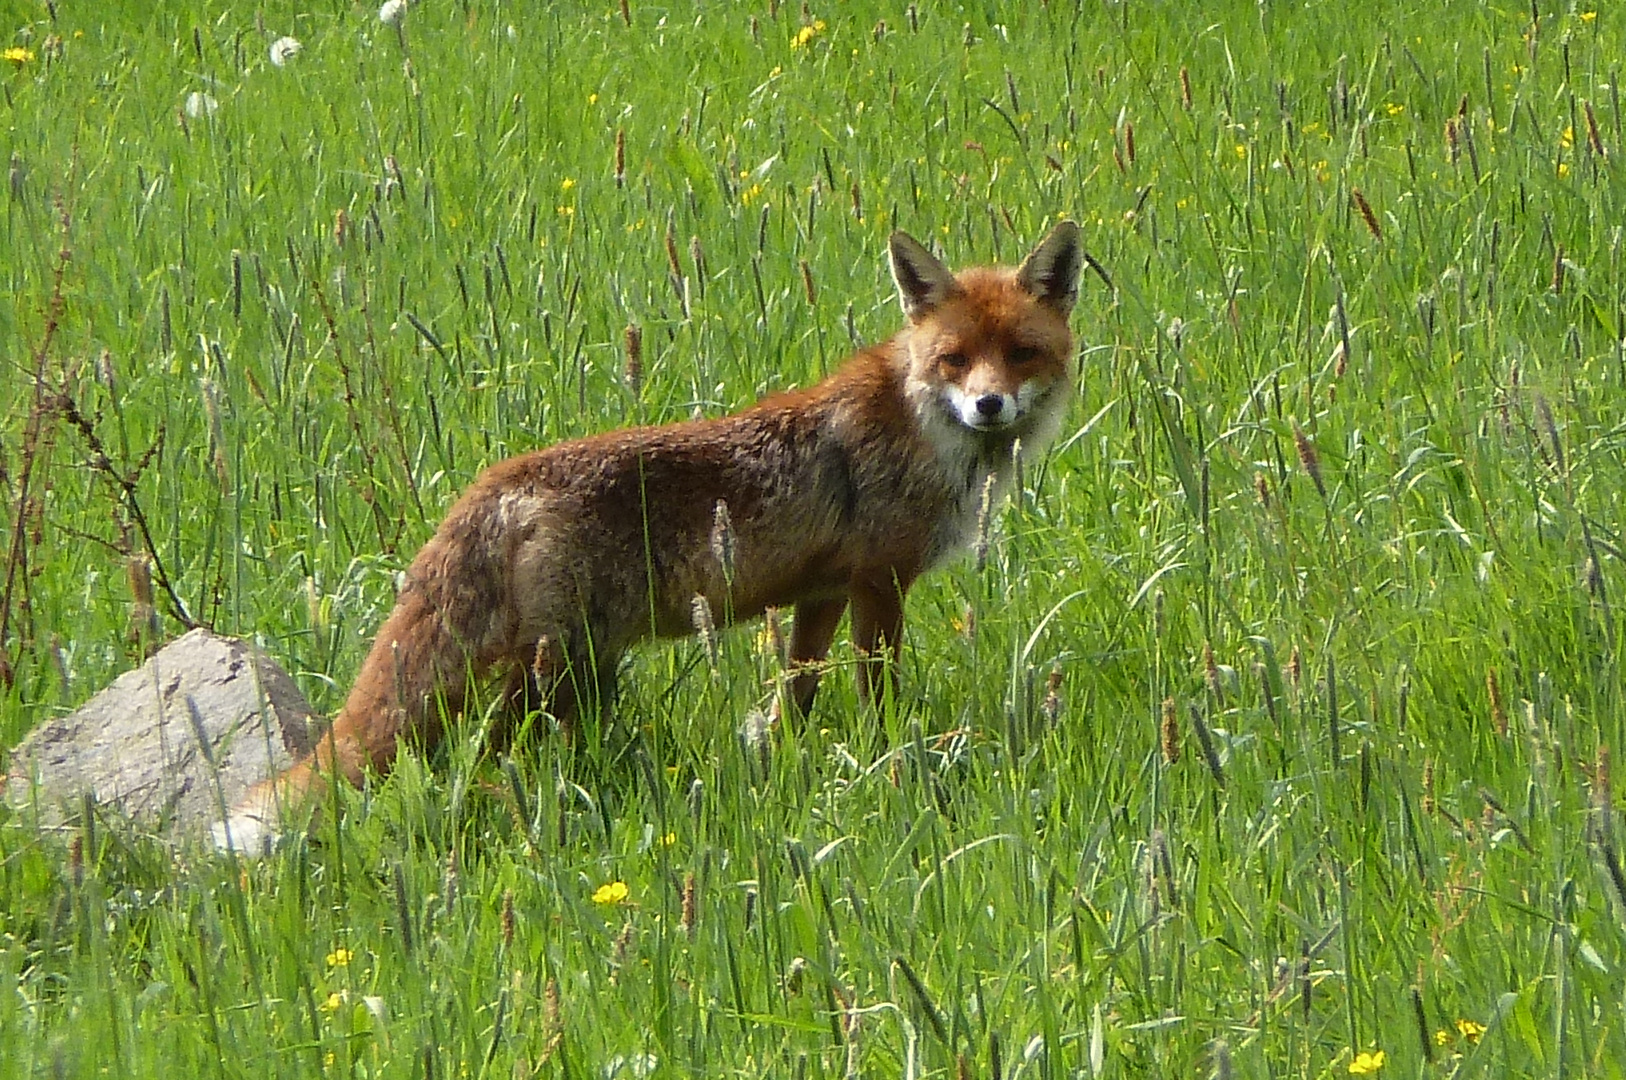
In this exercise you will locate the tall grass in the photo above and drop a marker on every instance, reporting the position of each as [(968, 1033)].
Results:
[(1342, 489)]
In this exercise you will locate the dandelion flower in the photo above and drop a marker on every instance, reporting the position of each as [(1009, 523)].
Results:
[(806, 34), (19, 55), (199, 104), (611, 894), (340, 957), (1366, 1063), (285, 49), (392, 12)]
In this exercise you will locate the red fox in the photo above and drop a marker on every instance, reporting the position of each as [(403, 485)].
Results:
[(554, 562)]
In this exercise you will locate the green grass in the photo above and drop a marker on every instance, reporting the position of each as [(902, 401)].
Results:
[(976, 882)]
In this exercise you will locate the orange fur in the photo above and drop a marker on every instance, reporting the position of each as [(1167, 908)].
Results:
[(555, 562)]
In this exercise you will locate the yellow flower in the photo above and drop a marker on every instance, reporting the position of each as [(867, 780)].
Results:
[(1588, 16), (1568, 137), (19, 55), (669, 839), (611, 894), (1563, 169), (1441, 1037), (339, 957), (566, 211), (1365, 1063), (566, 184), (1470, 1029), (750, 194), (334, 1000), (1394, 108), (592, 99), (806, 34), (1241, 150)]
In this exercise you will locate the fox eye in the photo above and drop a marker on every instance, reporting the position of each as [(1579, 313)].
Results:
[(1024, 354), (955, 361)]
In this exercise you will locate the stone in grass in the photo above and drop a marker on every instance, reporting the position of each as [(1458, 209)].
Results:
[(168, 744)]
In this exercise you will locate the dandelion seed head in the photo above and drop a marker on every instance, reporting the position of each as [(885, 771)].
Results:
[(199, 104), (285, 49)]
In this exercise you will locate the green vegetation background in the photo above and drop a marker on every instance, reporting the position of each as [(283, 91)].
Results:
[(1337, 516)]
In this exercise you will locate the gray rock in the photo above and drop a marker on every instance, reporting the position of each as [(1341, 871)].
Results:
[(170, 743)]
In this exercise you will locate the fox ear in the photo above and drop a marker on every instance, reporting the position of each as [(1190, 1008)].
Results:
[(923, 280), (1051, 272)]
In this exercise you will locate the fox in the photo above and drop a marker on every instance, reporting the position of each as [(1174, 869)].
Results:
[(553, 563)]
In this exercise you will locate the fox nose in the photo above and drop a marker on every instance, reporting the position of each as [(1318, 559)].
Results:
[(990, 405)]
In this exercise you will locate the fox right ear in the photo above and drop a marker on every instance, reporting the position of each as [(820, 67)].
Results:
[(923, 280)]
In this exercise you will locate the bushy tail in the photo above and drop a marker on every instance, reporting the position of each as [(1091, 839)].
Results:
[(428, 650)]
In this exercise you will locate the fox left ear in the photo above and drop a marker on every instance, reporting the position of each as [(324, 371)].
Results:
[(1051, 271), (923, 281)]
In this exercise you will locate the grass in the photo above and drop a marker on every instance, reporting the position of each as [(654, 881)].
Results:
[(1340, 499)]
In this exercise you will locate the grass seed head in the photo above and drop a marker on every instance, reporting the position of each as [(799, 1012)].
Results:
[(705, 626), (1051, 706), (620, 157), (1205, 739), (690, 914), (1593, 140), (1428, 787), (633, 337), (1544, 414), (1367, 215), (1185, 89), (807, 284), (1169, 732), (1309, 459), (673, 262), (1498, 711), (985, 509), (722, 539), (508, 918), (774, 630)]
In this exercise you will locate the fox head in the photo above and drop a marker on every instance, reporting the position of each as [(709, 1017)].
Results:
[(988, 351)]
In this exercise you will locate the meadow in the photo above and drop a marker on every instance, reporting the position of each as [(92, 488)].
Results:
[(1269, 736)]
